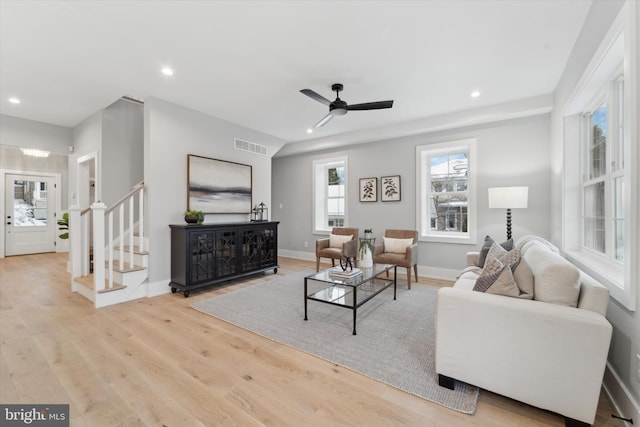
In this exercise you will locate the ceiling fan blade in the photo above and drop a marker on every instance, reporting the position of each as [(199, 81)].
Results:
[(324, 121), (370, 106), (313, 95)]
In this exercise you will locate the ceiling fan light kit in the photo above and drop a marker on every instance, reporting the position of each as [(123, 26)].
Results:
[(340, 107)]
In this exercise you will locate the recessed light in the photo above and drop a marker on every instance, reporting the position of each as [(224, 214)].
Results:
[(309, 130), (167, 71), (14, 100), (475, 94)]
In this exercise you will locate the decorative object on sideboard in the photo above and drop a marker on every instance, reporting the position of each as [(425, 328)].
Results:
[(260, 213), (368, 233), (218, 186), (508, 198), (390, 188), (194, 217), (369, 189)]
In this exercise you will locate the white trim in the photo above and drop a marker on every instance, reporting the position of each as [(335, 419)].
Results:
[(316, 198), (3, 173), (619, 395), (618, 46), (470, 237)]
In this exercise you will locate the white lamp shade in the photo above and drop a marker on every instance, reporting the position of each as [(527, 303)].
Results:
[(508, 197)]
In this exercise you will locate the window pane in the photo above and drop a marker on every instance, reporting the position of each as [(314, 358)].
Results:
[(335, 196), (594, 221), (449, 213), (618, 219), (620, 150), (449, 172), (29, 204), (598, 143)]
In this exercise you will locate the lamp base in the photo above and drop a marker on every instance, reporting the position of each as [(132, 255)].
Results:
[(508, 223)]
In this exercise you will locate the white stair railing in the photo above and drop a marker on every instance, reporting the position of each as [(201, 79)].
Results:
[(87, 231)]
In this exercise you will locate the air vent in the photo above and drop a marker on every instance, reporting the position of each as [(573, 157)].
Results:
[(251, 147)]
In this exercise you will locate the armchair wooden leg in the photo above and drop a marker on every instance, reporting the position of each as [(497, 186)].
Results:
[(415, 270), (409, 277), (317, 264)]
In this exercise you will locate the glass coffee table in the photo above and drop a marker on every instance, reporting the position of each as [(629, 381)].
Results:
[(349, 292)]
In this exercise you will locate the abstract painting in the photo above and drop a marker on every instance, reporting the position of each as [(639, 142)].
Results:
[(218, 186)]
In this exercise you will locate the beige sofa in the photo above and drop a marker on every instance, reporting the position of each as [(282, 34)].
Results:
[(540, 351)]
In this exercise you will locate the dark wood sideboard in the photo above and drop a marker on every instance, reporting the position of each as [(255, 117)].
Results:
[(202, 255)]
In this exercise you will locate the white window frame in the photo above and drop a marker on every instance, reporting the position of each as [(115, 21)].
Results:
[(320, 196), (600, 75), (423, 191)]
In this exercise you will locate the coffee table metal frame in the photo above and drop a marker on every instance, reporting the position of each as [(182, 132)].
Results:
[(344, 292)]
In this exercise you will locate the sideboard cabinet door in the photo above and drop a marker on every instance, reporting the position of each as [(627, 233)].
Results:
[(202, 255)]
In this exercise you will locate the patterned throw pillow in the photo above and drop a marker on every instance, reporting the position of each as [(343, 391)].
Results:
[(497, 276), (499, 281), (488, 242)]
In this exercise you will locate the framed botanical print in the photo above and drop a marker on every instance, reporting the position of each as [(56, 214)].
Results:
[(390, 188), (369, 189)]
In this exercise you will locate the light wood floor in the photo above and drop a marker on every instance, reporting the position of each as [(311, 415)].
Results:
[(158, 362)]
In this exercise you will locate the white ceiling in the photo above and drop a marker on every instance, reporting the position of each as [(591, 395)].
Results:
[(246, 61)]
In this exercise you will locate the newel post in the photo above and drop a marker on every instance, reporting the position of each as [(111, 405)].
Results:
[(99, 209), (75, 244)]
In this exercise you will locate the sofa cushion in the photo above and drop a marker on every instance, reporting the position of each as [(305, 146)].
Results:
[(556, 280), (396, 246), (337, 240), (488, 241), (500, 281)]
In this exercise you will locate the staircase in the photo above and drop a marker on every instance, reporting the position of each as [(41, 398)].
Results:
[(112, 237)]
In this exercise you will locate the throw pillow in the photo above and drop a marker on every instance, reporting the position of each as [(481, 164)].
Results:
[(523, 276), (488, 241), (337, 240), (498, 282), (556, 280), (396, 246)]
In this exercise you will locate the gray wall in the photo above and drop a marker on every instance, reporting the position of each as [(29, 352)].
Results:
[(122, 149), (16, 133), (171, 132), (625, 343), (512, 152)]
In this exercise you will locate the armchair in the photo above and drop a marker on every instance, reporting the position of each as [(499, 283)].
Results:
[(399, 247), (337, 245)]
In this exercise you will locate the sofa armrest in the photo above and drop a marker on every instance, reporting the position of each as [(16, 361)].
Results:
[(350, 248), (472, 259), (412, 253), (378, 248), (547, 355), (322, 244)]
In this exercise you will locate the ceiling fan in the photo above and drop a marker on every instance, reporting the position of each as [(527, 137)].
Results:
[(340, 107)]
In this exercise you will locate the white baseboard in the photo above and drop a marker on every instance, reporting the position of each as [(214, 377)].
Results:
[(423, 271), (158, 288), (305, 256), (622, 401)]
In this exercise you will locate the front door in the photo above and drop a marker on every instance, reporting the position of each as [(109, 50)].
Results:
[(30, 225)]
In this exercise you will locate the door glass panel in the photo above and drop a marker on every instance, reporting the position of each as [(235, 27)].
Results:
[(29, 203)]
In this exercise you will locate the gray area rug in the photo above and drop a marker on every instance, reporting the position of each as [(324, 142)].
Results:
[(395, 342)]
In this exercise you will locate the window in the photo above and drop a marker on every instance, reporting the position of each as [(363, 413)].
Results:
[(603, 175), (600, 207), (330, 188), (445, 182)]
